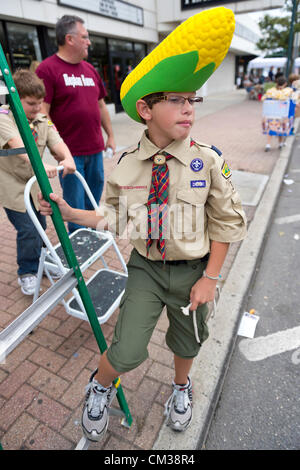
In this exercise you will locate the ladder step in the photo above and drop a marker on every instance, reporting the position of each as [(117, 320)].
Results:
[(86, 245), (106, 288)]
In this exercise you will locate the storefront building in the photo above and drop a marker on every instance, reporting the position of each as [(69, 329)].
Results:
[(121, 33)]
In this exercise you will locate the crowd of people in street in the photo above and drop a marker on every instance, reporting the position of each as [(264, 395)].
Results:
[(275, 87)]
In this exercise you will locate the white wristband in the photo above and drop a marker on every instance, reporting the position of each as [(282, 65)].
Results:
[(213, 278)]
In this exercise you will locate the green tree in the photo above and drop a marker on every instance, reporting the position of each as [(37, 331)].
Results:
[(275, 31)]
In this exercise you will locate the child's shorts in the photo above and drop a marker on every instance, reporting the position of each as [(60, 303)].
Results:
[(152, 285)]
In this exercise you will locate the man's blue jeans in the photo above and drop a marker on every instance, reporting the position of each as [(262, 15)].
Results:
[(91, 168), (29, 242)]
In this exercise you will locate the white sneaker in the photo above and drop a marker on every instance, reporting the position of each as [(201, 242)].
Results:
[(54, 272), (178, 408), (267, 148), (94, 420), (27, 283)]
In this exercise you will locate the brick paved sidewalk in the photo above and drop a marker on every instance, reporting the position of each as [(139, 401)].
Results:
[(42, 381)]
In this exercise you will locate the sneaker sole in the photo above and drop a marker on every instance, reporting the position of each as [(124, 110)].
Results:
[(90, 436), (28, 293), (180, 429), (24, 291), (177, 428)]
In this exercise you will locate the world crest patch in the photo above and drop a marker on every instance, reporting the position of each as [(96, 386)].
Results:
[(196, 164)]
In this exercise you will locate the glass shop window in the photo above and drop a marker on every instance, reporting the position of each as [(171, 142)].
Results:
[(52, 46), (98, 57), (139, 52), (117, 45), (24, 45)]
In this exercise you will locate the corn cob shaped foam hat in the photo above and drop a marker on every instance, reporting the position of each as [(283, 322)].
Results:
[(183, 61)]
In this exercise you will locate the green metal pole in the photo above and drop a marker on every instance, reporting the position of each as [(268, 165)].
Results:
[(291, 38), (42, 178)]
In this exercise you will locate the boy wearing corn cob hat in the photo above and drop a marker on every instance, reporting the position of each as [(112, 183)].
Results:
[(185, 212)]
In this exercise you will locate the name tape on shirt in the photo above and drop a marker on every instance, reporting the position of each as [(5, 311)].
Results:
[(133, 187), (198, 183)]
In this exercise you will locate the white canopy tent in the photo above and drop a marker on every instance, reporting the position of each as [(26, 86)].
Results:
[(262, 63), (266, 63)]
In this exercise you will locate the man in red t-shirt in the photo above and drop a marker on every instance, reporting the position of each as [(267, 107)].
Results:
[(75, 102)]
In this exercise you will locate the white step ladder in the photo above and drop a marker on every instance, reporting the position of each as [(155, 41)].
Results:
[(106, 286)]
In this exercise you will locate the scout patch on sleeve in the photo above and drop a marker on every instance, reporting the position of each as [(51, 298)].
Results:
[(225, 170), (50, 124)]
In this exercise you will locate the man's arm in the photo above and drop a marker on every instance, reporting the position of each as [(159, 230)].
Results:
[(106, 124)]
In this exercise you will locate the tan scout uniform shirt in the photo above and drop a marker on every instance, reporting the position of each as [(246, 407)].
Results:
[(14, 171), (203, 205)]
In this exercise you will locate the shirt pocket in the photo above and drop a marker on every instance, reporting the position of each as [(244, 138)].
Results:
[(188, 214), (135, 204)]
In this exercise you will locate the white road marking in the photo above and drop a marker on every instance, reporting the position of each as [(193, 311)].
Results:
[(288, 219), (260, 348)]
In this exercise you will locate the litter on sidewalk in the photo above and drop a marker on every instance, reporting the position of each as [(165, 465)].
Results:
[(248, 324)]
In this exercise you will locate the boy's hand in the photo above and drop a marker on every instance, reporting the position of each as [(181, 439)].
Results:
[(203, 291), (69, 166), (50, 170), (45, 207)]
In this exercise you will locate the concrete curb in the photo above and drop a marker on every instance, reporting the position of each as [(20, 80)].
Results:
[(209, 368)]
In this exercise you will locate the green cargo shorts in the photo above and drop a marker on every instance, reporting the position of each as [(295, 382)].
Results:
[(152, 285)]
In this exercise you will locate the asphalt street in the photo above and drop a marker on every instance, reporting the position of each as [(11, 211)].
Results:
[(259, 404)]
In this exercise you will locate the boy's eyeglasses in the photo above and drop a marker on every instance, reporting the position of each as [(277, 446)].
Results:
[(179, 101)]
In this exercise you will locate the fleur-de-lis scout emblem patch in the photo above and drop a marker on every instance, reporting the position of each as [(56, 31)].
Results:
[(225, 170), (159, 160), (196, 164)]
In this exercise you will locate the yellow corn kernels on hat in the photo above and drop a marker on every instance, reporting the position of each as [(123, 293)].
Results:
[(183, 61)]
